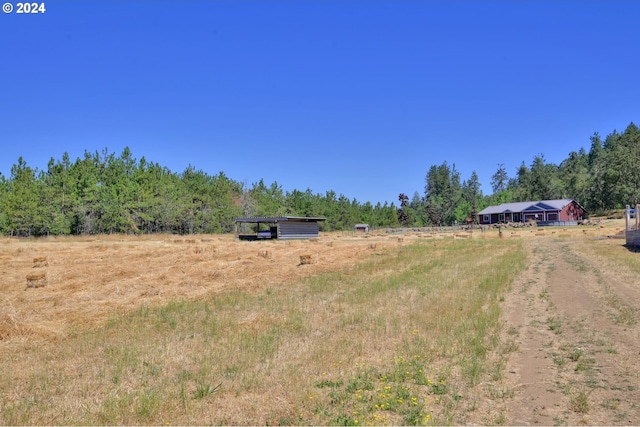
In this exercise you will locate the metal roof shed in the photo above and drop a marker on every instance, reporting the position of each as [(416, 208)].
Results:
[(282, 228), (362, 228)]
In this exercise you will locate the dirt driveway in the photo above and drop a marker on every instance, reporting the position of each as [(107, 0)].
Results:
[(572, 319)]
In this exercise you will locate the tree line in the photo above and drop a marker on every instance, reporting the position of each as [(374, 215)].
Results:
[(107, 193), (604, 178), (102, 192)]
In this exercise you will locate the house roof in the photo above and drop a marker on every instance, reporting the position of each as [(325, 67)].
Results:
[(517, 207), (254, 219)]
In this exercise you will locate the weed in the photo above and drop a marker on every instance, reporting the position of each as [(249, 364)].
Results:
[(579, 402), (148, 403), (559, 360), (613, 404), (205, 389), (544, 294), (500, 419), (554, 324), (584, 364), (513, 331), (576, 354), (510, 346)]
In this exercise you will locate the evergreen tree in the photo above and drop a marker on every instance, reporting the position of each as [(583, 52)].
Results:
[(442, 194), (22, 201), (500, 179)]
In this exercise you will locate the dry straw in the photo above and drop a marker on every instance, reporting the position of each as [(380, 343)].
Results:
[(40, 262), (36, 280)]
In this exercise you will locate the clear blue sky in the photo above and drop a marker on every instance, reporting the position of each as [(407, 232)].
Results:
[(359, 97)]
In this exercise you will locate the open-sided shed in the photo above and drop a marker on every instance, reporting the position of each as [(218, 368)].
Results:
[(362, 228), (282, 227)]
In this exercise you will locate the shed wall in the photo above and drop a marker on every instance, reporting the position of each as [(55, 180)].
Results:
[(288, 230)]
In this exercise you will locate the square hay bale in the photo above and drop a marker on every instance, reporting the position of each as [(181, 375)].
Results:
[(40, 262), (306, 259), (36, 280)]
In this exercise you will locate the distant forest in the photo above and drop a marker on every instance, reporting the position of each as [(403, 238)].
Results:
[(107, 193)]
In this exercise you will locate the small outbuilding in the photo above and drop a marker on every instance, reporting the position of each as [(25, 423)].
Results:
[(362, 228), (281, 228)]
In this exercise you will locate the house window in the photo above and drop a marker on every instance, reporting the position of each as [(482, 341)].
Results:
[(516, 217), (485, 218), (501, 217)]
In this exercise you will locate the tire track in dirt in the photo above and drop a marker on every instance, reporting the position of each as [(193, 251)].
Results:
[(574, 322)]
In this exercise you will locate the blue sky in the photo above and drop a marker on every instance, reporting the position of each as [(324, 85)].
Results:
[(358, 97)]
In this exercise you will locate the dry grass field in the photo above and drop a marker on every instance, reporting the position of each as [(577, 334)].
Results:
[(345, 329), (90, 279)]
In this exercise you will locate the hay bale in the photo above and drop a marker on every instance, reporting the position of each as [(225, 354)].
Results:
[(372, 245), (265, 254), (306, 259), (190, 240), (36, 280), (40, 262)]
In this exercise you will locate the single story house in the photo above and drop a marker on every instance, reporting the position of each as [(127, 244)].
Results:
[(545, 212), (282, 228)]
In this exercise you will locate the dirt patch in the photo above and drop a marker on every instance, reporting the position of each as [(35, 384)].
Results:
[(574, 320)]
